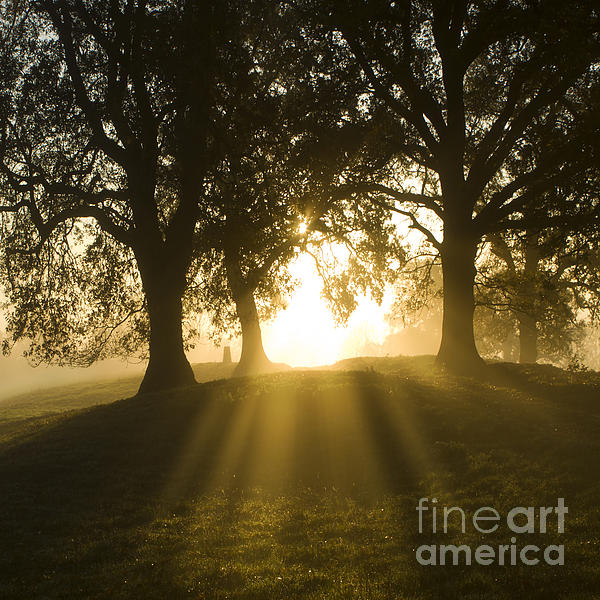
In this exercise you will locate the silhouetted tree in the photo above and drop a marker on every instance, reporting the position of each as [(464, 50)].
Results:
[(252, 216), (285, 133), (281, 209), (536, 293), (547, 277), (461, 84), (112, 123)]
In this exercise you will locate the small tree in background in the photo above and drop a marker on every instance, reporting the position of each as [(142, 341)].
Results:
[(547, 286)]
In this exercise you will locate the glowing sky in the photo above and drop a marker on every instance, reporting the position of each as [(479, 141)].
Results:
[(305, 334)]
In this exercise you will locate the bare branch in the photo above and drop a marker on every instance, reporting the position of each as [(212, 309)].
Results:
[(62, 22), (429, 202)]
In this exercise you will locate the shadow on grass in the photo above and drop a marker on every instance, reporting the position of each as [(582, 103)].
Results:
[(258, 488)]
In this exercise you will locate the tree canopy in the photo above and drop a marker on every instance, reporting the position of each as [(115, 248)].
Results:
[(463, 85), (146, 146)]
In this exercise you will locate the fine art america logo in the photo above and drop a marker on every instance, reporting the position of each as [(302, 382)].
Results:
[(519, 520)]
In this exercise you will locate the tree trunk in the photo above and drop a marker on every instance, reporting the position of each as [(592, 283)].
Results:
[(168, 366), (253, 359), (527, 320), (527, 339), (457, 350)]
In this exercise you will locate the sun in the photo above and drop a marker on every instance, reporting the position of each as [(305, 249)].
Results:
[(306, 334), (303, 227)]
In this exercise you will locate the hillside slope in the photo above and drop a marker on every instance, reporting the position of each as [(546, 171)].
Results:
[(73, 396), (301, 485)]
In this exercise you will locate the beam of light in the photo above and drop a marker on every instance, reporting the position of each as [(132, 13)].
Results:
[(193, 452), (392, 411), (351, 449), (228, 465), (270, 453), (306, 334)]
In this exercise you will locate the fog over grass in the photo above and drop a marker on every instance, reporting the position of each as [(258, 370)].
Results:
[(20, 377), (289, 338)]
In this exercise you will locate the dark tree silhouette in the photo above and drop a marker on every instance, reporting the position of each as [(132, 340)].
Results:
[(111, 122), (462, 83), (252, 217), (536, 293), (285, 134)]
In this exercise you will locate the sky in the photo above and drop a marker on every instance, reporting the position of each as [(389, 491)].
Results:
[(305, 334)]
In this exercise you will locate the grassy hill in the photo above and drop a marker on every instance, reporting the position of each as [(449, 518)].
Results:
[(72, 396), (301, 485)]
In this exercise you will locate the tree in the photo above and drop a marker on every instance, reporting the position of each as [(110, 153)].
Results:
[(285, 134), (547, 277), (252, 216), (461, 84), (112, 123), (535, 292), (282, 208), (546, 283)]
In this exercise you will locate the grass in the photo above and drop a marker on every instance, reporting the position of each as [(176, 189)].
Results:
[(73, 396), (301, 485)]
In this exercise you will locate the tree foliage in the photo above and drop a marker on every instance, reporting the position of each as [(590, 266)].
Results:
[(462, 86), (162, 158)]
